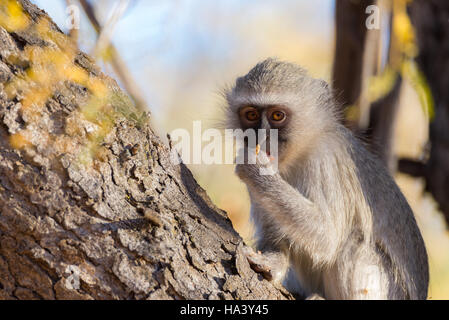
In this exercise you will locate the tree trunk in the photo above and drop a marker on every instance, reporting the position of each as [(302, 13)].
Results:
[(350, 35), (111, 218), (431, 21), (355, 59)]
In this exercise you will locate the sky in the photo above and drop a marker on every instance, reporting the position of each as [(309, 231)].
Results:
[(161, 39)]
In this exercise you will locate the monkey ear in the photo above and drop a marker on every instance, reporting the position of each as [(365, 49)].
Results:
[(327, 94), (327, 89), (324, 84)]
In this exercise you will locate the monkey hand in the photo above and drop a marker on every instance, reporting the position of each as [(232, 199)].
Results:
[(252, 167)]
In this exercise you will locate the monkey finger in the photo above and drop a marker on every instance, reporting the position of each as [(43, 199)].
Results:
[(263, 158)]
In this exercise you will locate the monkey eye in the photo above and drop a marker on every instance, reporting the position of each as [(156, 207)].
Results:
[(277, 115), (250, 114)]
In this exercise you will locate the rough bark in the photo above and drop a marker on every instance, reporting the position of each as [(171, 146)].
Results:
[(131, 224), (430, 19)]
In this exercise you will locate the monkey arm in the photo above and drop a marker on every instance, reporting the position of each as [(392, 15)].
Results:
[(300, 220)]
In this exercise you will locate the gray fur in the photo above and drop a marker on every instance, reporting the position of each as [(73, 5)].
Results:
[(332, 212)]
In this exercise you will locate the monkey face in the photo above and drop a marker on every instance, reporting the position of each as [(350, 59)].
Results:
[(280, 95), (266, 117)]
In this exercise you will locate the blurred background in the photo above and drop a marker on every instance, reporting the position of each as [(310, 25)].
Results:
[(174, 58)]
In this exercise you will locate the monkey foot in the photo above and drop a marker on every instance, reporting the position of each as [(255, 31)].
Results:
[(315, 296), (259, 263)]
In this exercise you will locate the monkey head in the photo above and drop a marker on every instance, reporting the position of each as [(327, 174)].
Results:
[(280, 95)]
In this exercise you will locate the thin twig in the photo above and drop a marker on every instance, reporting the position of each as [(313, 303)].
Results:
[(117, 63), (412, 167), (104, 38)]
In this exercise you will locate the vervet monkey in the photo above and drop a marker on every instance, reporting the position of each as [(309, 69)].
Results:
[(331, 222)]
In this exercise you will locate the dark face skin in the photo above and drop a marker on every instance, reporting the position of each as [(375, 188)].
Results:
[(266, 117)]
